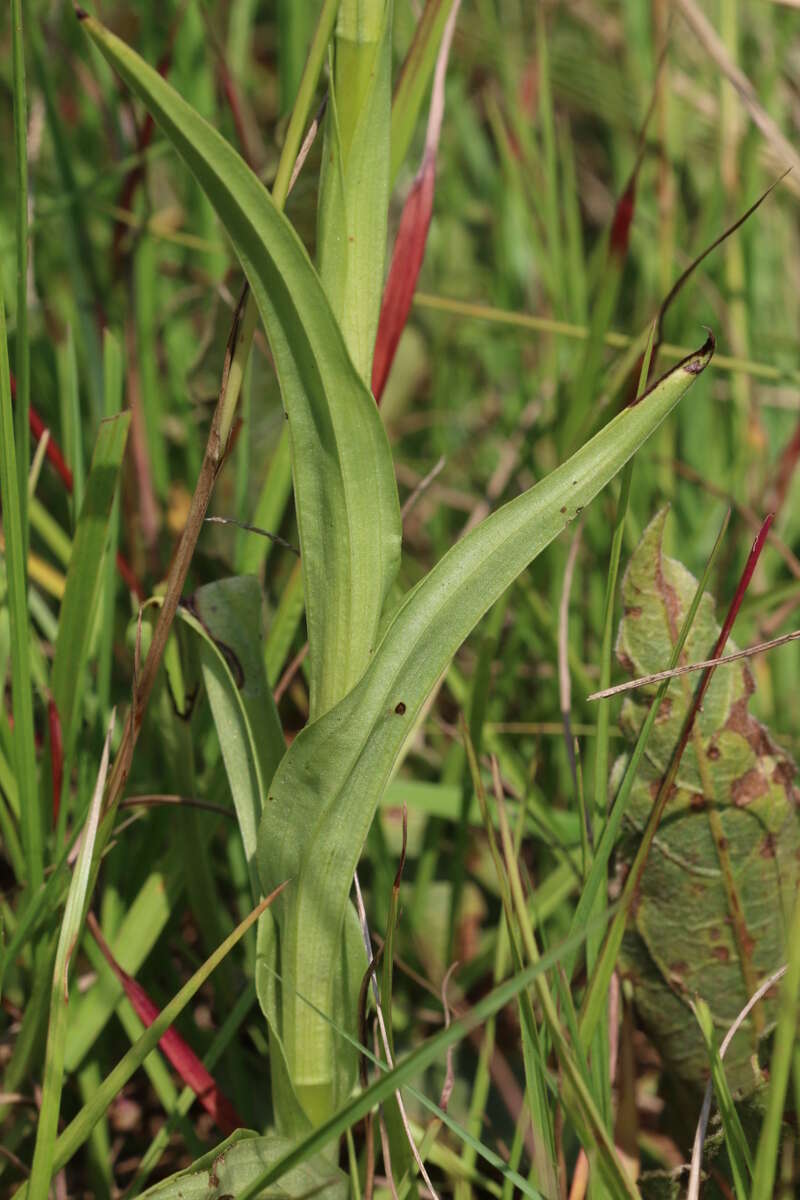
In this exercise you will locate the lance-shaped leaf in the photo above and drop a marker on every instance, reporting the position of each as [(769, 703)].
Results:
[(326, 789), (346, 498), (227, 616), (716, 893)]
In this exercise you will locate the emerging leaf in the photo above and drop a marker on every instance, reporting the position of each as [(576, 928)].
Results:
[(716, 894)]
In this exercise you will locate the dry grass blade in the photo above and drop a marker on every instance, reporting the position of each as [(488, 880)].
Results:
[(712, 44), (644, 680)]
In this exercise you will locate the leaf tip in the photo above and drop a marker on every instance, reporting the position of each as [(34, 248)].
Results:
[(696, 363), (80, 13)]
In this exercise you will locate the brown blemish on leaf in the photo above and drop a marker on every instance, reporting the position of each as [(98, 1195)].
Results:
[(747, 789), (633, 612), (698, 802), (400, 708), (665, 711), (767, 849), (783, 773), (721, 953), (670, 598), (563, 508), (626, 663), (713, 752)]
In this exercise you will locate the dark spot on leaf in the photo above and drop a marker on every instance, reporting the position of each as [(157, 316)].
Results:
[(400, 708), (698, 802), (676, 971), (81, 13), (721, 953), (713, 752), (767, 849), (563, 508), (722, 844), (633, 612)]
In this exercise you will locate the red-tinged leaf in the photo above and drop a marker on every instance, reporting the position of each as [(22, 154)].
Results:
[(56, 755), (409, 251), (179, 1053), (623, 216), (409, 247), (53, 451), (784, 472)]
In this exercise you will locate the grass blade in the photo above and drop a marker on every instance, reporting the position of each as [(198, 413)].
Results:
[(79, 1128), (21, 688), (71, 928), (85, 580), (23, 362)]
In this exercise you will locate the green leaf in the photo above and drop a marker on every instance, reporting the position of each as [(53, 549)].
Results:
[(738, 1150), (346, 498), (71, 928), (412, 1066), (324, 794), (85, 577), (240, 1159), (716, 894), (227, 617), (354, 180)]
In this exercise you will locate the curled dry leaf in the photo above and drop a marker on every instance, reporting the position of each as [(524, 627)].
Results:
[(716, 895)]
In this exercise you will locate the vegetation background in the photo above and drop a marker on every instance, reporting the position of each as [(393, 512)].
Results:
[(514, 352)]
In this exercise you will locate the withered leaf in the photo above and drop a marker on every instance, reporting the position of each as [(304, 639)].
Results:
[(712, 912)]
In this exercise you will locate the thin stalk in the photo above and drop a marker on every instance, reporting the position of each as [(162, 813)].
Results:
[(581, 333), (22, 358)]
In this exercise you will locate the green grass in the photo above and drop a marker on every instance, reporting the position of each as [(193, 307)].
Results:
[(426, 721)]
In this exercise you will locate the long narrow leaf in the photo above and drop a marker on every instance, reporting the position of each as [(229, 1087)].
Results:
[(71, 927), (341, 459), (85, 578), (325, 792)]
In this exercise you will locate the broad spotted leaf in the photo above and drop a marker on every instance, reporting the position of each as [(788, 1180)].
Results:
[(225, 1171), (716, 895)]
